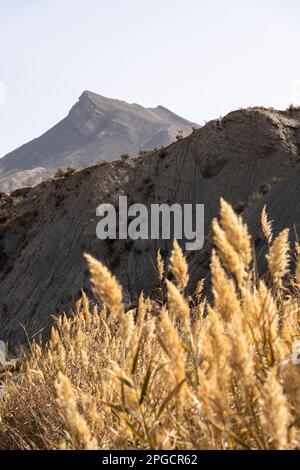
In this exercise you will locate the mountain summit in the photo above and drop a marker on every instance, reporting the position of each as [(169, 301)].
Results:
[(96, 128)]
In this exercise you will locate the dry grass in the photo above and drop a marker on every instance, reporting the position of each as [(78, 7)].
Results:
[(174, 380)]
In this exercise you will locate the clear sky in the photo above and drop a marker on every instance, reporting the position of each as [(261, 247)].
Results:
[(199, 58)]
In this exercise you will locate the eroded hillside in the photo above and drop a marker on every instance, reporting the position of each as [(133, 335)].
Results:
[(250, 158)]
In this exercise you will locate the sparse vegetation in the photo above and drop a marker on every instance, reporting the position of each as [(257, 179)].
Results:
[(179, 135), (144, 152), (292, 108), (178, 373), (162, 153), (7, 212), (64, 172)]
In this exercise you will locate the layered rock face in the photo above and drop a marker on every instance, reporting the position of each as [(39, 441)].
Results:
[(97, 128), (250, 157)]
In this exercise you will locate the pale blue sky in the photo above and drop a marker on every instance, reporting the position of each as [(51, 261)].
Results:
[(199, 58)]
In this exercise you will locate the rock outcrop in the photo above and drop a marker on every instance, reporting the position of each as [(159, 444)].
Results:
[(250, 157)]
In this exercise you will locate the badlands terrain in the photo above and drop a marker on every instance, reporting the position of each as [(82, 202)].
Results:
[(251, 157)]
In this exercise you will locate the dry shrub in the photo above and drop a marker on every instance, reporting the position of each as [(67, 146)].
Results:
[(177, 379)]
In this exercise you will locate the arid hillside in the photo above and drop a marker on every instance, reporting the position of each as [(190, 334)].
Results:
[(250, 157), (96, 128)]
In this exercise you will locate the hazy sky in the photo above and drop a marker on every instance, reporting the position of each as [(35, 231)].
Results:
[(199, 58)]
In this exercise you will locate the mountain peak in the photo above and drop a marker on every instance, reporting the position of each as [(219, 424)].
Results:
[(96, 128)]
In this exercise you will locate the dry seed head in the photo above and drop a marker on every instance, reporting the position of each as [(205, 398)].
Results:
[(290, 374), (236, 232), (217, 336), (142, 309), (85, 362), (242, 353), (178, 266), (290, 318), (297, 272), (106, 287), (177, 305), (127, 328), (267, 314), (55, 338), (225, 298), (103, 312), (199, 288), (278, 258), (173, 346), (266, 225), (86, 310), (227, 253), (68, 404), (275, 415), (160, 265)]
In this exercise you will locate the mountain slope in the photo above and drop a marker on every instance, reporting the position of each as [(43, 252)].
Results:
[(96, 128), (250, 157)]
